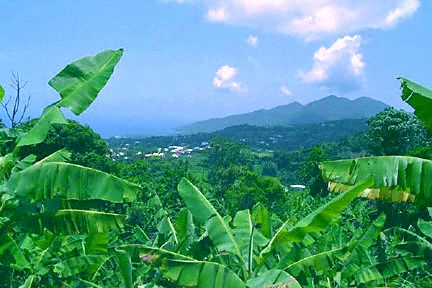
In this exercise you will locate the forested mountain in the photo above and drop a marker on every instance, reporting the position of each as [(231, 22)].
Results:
[(260, 138), (326, 109)]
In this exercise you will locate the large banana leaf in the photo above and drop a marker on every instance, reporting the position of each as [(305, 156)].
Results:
[(388, 269), (319, 262), (88, 264), (125, 265), (69, 181), (357, 249), (204, 212), (272, 277), (246, 236), (397, 178), (200, 274), (425, 227), (185, 271), (317, 221), (96, 243), (11, 253), (164, 224), (59, 156), (261, 217), (420, 98), (418, 243), (185, 229), (80, 82), (69, 221), (39, 131)]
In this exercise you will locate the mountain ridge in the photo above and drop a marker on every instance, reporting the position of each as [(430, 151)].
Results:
[(325, 109)]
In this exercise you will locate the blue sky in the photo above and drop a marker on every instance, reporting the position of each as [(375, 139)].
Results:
[(192, 60)]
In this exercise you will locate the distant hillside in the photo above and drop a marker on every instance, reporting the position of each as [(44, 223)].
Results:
[(327, 109), (259, 138)]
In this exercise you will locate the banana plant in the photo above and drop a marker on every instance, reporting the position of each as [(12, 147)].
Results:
[(246, 251), (396, 178), (55, 198), (415, 243)]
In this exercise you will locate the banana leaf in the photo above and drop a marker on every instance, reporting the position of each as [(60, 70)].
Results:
[(39, 131), (80, 82), (418, 242), (396, 178), (319, 262), (357, 249), (317, 221), (125, 265), (88, 264), (204, 212), (247, 237), (420, 98), (11, 254), (69, 181), (185, 230), (425, 227), (164, 225), (200, 274), (97, 243), (183, 270), (69, 221), (28, 282), (385, 270), (275, 277), (61, 155), (261, 217)]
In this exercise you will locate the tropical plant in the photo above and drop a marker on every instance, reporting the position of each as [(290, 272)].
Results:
[(54, 226), (395, 179), (251, 249)]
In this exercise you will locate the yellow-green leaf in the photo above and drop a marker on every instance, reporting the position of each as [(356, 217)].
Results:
[(81, 81)]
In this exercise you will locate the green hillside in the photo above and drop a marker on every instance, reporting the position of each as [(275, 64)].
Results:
[(327, 109)]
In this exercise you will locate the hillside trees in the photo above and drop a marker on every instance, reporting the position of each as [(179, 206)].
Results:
[(87, 147), (395, 132)]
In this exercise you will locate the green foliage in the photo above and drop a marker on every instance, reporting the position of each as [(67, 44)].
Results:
[(87, 147), (420, 98), (81, 81), (53, 231), (239, 247), (2, 93), (249, 188), (311, 174), (66, 225), (395, 179), (395, 132)]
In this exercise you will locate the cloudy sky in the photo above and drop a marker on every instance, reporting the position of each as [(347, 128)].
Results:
[(189, 60)]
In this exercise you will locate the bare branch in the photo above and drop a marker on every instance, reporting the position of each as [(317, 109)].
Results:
[(13, 113)]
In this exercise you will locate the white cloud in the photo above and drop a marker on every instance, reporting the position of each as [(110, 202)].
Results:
[(224, 79), (338, 67), (285, 91), (252, 41), (310, 18), (217, 15), (405, 9)]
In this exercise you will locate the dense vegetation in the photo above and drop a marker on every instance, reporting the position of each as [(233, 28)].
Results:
[(226, 209)]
